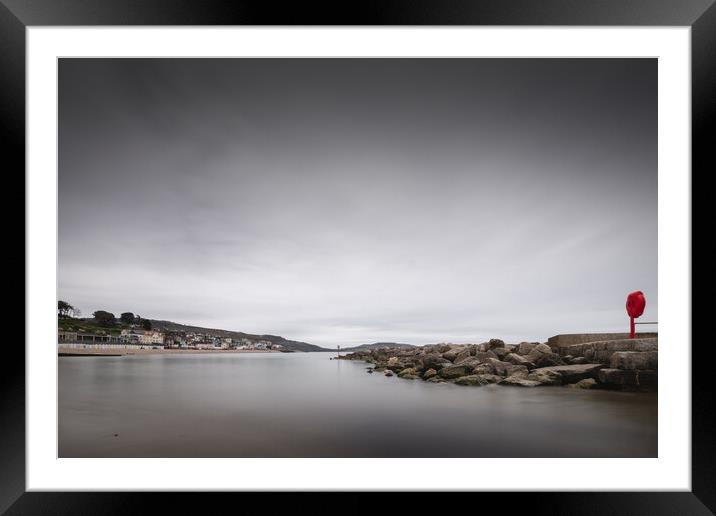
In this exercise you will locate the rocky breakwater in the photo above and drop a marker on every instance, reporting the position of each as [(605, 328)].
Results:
[(628, 363), (522, 365)]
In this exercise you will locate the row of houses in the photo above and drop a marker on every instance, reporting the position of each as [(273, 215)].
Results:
[(169, 339), (208, 341)]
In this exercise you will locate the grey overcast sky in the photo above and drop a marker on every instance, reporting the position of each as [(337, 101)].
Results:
[(344, 201)]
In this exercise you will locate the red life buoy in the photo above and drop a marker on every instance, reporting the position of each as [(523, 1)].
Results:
[(635, 304)]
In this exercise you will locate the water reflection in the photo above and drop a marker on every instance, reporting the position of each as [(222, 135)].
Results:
[(305, 405)]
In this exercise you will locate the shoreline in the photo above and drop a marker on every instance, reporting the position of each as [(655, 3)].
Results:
[(620, 364), (86, 352)]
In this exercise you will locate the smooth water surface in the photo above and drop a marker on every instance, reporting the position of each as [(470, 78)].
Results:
[(305, 405)]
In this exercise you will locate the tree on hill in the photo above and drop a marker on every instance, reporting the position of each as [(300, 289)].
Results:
[(104, 318), (146, 324), (127, 317), (64, 309)]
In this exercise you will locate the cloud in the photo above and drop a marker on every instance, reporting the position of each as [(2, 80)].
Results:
[(345, 202)]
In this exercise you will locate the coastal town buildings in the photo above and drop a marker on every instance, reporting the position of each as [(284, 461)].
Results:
[(163, 338), (147, 337)]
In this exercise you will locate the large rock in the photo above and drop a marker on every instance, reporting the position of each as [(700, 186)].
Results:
[(519, 371), (429, 374), (494, 343), (542, 348), (516, 359), (434, 361), (574, 372), (471, 379), (525, 347), (408, 372), (452, 354), (500, 366), (462, 355), (545, 377), (500, 352), (485, 368), (478, 379), (587, 383), (542, 356), (484, 356), (635, 360), (470, 363), (519, 382), (454, 371), (490, 378)]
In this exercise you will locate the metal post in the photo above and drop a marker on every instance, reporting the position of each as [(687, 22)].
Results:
[(631, 334)]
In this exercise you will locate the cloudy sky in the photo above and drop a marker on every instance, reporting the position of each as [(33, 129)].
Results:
[(361, 200)]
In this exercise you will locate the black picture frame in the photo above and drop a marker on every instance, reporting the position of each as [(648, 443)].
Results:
[(700, 15)]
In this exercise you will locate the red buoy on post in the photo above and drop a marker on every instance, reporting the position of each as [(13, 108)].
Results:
[(635, 304)]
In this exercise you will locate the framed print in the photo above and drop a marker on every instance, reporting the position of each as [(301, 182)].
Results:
[(410, 249)]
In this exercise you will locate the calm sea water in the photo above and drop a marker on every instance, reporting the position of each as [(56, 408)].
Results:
[(305, 405)]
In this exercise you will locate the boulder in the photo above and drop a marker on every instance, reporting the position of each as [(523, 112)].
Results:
[(454, 371), (542, 356), (635, 360), (469, 362), (501, 353), (408, 371), (516, 359), (574, 372), (542, 348), (483, 356), (485, 368), (443, 348), (472, 379), (519, 382), (587, 383), (433, 361), (525, 347), (429, 374), (579, 360), (451, 355), (545, 377), (494, 343), (517, 370), (500, 366), (435, 379), (388, 372), (463, 355)]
